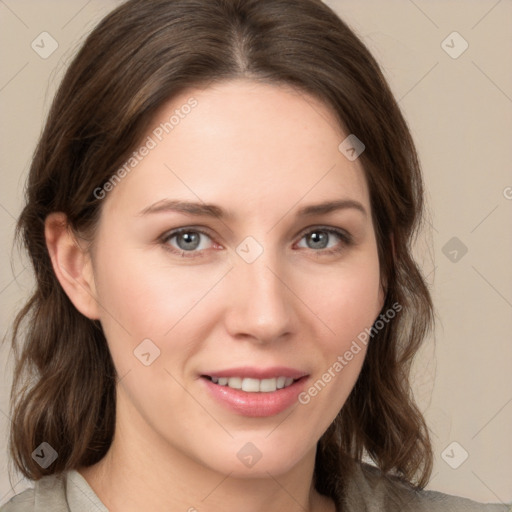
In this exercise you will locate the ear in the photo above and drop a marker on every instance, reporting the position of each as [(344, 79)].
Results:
[(72, 265)]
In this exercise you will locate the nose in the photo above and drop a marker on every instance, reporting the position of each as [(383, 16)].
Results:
[(261, 301)]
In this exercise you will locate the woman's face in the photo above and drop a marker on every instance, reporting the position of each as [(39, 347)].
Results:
[(259, 287)]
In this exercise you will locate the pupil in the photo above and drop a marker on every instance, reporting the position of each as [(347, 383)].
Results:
[(318, 238), (190, 238)]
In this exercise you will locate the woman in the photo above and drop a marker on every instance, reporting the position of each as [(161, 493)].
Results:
[(219, 214)]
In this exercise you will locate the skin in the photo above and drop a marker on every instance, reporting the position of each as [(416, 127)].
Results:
[(262, 152)]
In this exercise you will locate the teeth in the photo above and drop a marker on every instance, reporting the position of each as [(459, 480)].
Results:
[(234, 382), (254, 385), (251, 385)]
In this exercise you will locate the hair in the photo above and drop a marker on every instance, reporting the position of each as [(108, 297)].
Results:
[(139, 57)]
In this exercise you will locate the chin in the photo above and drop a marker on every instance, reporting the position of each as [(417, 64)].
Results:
[(254, 456)]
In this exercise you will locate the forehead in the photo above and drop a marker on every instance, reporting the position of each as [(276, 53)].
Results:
[(244, 144)]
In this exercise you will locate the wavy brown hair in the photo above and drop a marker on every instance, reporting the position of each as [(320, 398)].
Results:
[(140, 56)]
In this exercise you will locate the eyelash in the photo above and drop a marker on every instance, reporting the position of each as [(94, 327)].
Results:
[(345, 237)]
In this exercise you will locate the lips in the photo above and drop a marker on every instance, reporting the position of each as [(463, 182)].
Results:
[(268, 391)]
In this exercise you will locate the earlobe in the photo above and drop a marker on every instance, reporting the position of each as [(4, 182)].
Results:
[(72, 265)]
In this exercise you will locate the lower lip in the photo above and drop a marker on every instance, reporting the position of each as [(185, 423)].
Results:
[(256, 404)]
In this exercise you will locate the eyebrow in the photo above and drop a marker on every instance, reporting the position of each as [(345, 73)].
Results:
[(212, 210)]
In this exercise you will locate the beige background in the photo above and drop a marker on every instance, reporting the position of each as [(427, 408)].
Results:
[(460, 113)]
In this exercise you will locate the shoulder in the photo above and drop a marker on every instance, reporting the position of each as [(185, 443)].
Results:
[(370, 489), (22, 502), (48, 493)]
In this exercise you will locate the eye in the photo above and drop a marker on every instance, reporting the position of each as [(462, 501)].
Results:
[(320, 236), (189, 244), (188, 240)]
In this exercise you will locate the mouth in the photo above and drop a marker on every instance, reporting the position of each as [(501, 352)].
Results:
[(254, 392), (250, 385)]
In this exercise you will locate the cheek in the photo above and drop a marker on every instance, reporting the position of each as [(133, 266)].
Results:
[(346, 305), (347, 301), (148, 299)]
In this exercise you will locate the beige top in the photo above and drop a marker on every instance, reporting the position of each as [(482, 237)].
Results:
[(367, 492)]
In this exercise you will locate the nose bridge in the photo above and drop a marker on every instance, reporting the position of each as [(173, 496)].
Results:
[(260, 304)]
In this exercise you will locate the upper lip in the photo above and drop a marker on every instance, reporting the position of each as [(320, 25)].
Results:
[(258, 373)]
